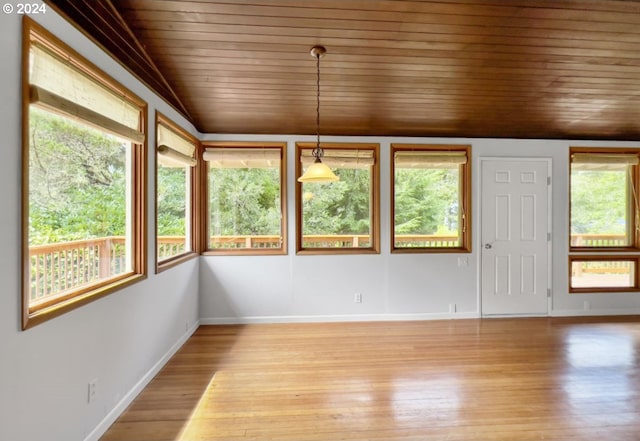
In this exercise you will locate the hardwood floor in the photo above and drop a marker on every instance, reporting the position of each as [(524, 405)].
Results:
[(500, 379)]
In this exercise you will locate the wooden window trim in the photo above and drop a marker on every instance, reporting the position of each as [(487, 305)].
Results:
[(33, 32), (584, 253), (605, 258), (204, 198), (170, 262), (374, 196), (465, 198), (635, 176)]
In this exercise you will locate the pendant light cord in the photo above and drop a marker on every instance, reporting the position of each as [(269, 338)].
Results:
[(318, 152)]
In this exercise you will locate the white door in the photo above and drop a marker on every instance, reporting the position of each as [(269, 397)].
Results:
[(515, 217)]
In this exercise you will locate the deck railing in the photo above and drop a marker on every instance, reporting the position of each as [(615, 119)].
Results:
[(63, 266), (310, 241), (581, 267), (244, 242), (598, 240), (425, 241), (169, 246), (331, 241)]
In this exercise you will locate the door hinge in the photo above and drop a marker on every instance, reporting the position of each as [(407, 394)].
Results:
[(548, 180), (549, 292), (548, 237)]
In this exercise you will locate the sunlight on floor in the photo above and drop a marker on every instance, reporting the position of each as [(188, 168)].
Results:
[(597, 382), (193, 429)]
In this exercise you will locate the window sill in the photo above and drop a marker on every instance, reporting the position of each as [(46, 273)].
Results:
[(430, 250), (629, 249), (174, 261), (336, 251), (603, 290), (246, 252)]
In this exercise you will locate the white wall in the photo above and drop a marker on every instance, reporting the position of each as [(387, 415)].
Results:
[(237, 289), (124, 338), (120, 339)]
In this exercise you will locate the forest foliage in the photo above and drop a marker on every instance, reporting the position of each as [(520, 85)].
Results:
[(599, 202), (78, 178), (77, 181)]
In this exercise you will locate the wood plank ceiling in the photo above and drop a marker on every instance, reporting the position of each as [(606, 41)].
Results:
[(473, 68)]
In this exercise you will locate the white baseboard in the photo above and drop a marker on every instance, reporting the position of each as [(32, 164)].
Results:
[(334, 318), (243, 320), (113, 415), (593, 312), (492, 316)]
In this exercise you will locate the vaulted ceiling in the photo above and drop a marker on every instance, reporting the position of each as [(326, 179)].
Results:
[(472, 68)]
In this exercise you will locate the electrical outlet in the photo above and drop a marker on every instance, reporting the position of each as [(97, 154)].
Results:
[(452, 307), (463, 261), (357, 298), (587, 305), (92, 391)]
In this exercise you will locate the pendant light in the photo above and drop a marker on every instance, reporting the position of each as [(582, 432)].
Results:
[(318, 172)]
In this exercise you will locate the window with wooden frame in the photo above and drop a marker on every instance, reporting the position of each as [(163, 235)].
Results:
[(593, 273), (604, 219), (84, 180), (176, 205), (339, 217), (246, 197), (430, 198)]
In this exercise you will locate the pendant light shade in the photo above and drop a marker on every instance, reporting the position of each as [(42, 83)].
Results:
[(318, 172)]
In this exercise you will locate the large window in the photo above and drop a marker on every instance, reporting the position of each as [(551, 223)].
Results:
[(343, 216), (430, 198), (83, 180), (246, 197), (604, 219), (175, 202)]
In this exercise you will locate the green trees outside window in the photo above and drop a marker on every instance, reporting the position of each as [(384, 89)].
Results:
[(77, 181), (342, 216), (173, 194), (427, 203), (84, 188), (243, 202), (430, 198), (246, 198), (340, 208), (604, 220), (602, 199), (176, 152)]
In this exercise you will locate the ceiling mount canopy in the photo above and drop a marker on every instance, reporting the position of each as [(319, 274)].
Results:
[(318, 172)]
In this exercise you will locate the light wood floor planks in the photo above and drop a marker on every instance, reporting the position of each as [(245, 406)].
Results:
[(501, 379)]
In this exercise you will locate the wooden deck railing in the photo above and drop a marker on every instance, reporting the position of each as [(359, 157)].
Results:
[(331, 241), (310, 241), (336, 241), (68, 265), (601, 267), (425, 240), (244, 242), (62, 266), (598, 240), (169, 246)]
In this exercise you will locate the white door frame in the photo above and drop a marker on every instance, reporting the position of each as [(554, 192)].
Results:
[(478, 240)]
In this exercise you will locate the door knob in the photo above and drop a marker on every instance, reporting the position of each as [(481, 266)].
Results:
[(487, 246)]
